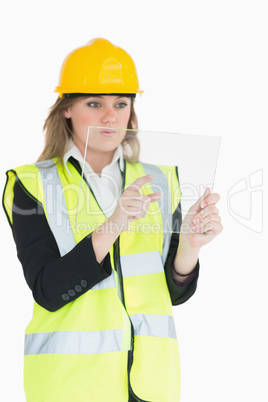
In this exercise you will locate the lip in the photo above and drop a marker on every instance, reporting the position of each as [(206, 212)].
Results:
[(107, 133)]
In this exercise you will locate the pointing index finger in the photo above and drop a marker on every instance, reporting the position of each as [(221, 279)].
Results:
[(140, 181)]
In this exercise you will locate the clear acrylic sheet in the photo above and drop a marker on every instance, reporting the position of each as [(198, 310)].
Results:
[(195, 157)]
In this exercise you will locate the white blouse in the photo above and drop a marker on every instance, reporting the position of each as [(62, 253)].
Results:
[(107, 187)]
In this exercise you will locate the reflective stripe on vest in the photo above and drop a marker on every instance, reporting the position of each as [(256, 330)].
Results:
[(161, 184), (107, 283), (69, 342), (106, 341), (141, 264), (56, 206), (154, 325)]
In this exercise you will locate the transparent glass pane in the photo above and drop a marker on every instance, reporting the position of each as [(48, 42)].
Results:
[(172, 158)]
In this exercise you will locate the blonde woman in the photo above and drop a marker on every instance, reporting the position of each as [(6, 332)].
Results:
[(102, 326)]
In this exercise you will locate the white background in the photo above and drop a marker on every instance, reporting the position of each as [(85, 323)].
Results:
[(203, 68)]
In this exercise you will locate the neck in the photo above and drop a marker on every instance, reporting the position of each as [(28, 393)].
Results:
[(96, 159), (99, 160)]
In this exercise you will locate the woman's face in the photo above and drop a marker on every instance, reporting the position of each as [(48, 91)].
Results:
[(101, 111)]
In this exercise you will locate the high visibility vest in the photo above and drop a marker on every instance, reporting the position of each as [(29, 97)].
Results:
[(119, 335)]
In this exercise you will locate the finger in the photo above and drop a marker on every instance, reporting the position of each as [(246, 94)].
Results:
[(130, 195), (140, 181), (211, 199), (130, 198), (133, 207), (205, 200), (195, 208), (212, 209), (155, 196), (207, 220), (137, 207), (212, 227), (139, 203)]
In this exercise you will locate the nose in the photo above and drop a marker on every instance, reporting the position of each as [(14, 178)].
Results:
[(109, 116)]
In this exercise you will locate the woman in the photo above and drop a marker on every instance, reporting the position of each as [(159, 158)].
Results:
[(102, 326)]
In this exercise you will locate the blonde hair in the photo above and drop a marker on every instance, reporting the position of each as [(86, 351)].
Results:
[(58, 132)]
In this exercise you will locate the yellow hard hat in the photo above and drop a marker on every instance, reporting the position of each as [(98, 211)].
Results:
[(98, 67)]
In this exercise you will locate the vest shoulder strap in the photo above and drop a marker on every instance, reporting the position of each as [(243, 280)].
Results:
[(165, 181), (56, 208)]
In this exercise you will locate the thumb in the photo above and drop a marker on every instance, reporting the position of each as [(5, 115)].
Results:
[(155, 196), (199, 203)]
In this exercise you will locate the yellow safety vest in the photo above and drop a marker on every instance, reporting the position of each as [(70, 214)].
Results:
[(121, 332)]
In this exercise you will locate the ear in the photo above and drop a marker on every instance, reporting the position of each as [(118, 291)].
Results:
[(67, 113)]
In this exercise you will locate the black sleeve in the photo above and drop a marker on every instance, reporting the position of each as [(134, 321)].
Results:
[(54, 280), (179, 293)]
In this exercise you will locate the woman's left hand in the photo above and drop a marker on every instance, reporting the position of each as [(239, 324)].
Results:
[(202, 222)]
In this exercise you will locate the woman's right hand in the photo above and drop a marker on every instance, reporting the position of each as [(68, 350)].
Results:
[(132, 205)]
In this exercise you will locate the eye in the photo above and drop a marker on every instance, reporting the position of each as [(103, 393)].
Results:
[(93, 104), (121, 105)]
